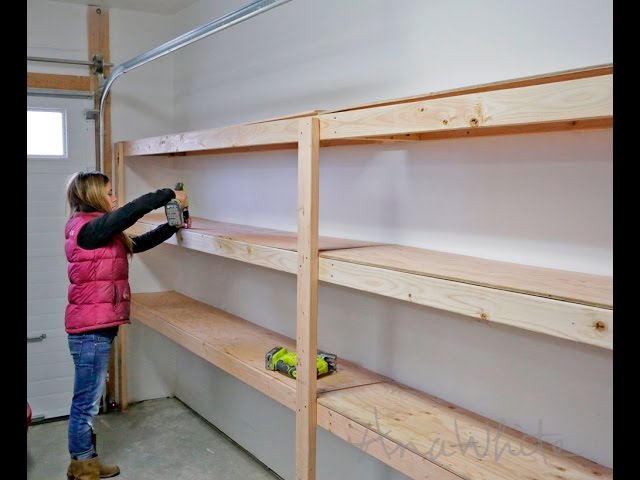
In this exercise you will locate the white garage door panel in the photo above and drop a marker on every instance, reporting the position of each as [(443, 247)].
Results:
[(48, 324), (62, 167), (56, 340), (50, 386), (61, 356), (43, 245), (47, 225), (38, 278), (49, 364), (42, 209), (46, 265), (46, 306), (53, 372), (53, 184), (41, 406), (42, 291)]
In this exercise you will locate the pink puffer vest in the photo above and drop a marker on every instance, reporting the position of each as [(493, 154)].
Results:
[(99, 294)]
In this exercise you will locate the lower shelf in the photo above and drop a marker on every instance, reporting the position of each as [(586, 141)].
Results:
[(415, 433)]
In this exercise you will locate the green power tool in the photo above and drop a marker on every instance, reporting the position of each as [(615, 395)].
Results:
[(282, 360)]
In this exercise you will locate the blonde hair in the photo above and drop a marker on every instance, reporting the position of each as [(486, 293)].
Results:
[(85, 192)]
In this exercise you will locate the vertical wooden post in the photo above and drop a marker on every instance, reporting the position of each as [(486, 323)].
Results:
[(120, 173), (98, 31), (123, 331), (99, 44), (307, 298)]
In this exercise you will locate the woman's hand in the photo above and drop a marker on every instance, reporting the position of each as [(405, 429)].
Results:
[(181, 196)]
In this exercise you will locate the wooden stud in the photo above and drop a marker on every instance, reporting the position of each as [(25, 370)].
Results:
[(307, 298), (232, 137), (58, 82), (123, 367), (98, 44), (119, 159), (123, 331)]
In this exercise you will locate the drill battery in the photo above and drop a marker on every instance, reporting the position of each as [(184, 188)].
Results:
[(177, 215)]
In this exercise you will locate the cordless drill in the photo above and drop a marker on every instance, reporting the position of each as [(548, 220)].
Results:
[(282, 360), (177, 215)]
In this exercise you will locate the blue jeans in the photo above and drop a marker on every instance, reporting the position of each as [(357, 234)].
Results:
[(90, 352)]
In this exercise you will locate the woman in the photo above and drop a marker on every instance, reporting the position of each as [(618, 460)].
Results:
[(98, 252)]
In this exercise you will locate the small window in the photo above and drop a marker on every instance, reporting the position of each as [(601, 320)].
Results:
[(46, 133)]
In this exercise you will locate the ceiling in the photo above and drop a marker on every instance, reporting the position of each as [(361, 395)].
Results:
[(154, 6)]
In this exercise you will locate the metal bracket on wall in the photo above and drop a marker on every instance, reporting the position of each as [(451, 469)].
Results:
[(37, 339), (91, 114), (97, 65)]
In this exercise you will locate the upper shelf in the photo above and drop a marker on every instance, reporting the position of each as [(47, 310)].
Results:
[(567, 100), (570, 305)]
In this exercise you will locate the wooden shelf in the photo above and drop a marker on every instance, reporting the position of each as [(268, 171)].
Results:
[(259, 246), (235, 345), (410, 431), (568, 305), (562, 105), (576, 99), (445, 435)]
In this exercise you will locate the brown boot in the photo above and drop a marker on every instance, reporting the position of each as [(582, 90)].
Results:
[(84, 469), (105, 471)]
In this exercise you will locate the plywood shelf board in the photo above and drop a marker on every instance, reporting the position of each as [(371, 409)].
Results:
[(570, 321), (446, 435), (234, 344), (587, 289), (265, 237)]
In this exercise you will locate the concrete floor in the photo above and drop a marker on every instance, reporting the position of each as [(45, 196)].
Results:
[(156, 439)]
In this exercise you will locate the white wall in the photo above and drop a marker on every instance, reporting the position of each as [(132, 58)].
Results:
[(541, 199)]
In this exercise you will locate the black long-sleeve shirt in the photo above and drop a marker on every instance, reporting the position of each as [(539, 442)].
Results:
[(99, 231)]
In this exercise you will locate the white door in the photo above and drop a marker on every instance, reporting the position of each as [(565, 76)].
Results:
[(49, 364)]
